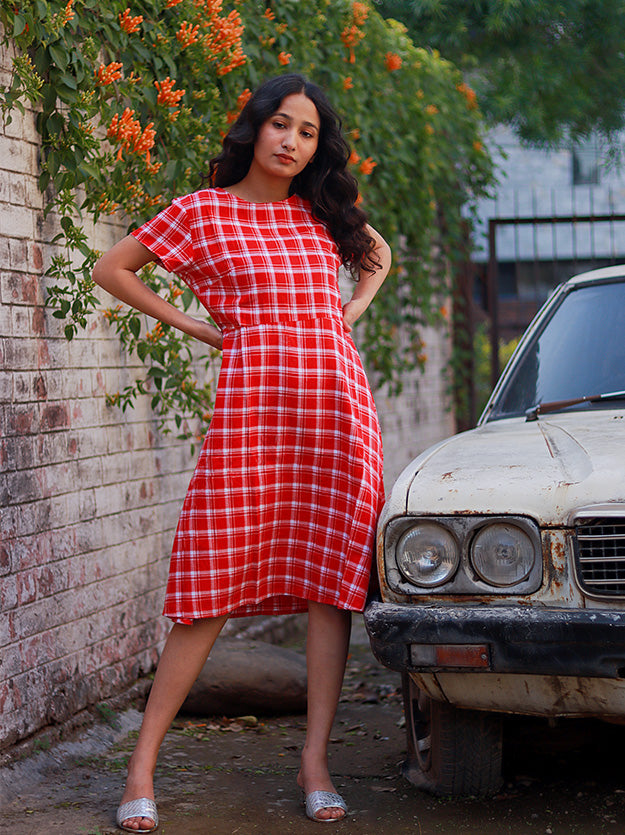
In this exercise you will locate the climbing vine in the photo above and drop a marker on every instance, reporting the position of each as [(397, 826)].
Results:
[(133, 100)]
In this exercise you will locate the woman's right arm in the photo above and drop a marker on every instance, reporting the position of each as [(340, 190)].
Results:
[(116, 272)]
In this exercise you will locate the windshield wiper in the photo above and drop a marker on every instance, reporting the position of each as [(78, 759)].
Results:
[(555, 405)]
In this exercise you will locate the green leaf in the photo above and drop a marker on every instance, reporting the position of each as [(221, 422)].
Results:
[(59, 55), (135, 326), (19, 24), (54, 123), (53, 163), (67, 94)]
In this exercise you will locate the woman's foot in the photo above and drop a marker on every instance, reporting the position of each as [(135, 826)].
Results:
[(319, 780), (138, 786)]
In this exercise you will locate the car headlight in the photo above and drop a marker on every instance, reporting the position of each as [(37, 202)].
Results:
[(427, 554), (502, 554)]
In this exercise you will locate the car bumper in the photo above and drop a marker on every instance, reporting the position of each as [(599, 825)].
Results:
[(501, 639)]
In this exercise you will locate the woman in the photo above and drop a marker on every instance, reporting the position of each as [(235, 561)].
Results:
[(281, 510)]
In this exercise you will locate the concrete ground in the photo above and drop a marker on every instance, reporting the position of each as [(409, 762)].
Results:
[(237, 777)]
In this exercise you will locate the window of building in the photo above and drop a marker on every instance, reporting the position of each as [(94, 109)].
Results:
[(585, 157)]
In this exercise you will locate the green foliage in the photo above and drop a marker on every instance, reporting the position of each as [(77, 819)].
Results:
[(133, 101), (482, 353), (553, 70)]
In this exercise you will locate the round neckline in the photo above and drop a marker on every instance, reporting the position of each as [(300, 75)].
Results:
[(257, 202)]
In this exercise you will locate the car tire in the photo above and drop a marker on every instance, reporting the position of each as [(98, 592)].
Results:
[(451, 752)]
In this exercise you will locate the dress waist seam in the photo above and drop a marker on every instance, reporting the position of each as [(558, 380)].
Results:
[(313, 321)]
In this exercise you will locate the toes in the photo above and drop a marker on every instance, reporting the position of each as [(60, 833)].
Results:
[(138, 823), (330, 813)]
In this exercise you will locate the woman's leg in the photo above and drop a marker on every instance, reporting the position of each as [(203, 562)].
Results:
[(184, 655), (326, 654)]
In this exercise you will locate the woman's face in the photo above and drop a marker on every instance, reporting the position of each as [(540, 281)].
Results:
[(287, 141)]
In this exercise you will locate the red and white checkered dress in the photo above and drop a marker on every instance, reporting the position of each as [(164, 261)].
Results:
[(285, 496)]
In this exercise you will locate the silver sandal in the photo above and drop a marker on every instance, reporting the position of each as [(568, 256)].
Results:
[(141, 808), (324, 800)]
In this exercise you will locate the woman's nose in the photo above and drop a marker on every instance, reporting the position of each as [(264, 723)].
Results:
[(288, 143)]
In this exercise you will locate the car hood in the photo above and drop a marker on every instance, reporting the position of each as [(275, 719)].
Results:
[(544, 468)]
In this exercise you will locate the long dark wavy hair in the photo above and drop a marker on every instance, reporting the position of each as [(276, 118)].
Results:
[(331, 189)]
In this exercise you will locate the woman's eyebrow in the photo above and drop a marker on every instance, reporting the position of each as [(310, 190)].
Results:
[(290, 119)]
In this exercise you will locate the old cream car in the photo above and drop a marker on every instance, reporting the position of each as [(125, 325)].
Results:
[(501, 551)]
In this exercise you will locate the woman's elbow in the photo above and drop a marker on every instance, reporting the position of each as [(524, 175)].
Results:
[(99, 272)]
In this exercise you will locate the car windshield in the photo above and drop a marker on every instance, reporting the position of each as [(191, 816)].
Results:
[(579, 352)]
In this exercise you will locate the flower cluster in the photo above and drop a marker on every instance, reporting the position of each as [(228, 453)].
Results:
[(392, 61), (128, 23), (127, 131), (107, 74), (242, 100), (469, 95), (352, 34), (222, 41), (166, 93), (367, 166), (156, 334), (68, 13), (187, 34)]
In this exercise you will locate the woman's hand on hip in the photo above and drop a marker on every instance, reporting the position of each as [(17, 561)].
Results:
[(352, 311)]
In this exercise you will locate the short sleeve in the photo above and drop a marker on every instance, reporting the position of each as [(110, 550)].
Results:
[(168, 236)]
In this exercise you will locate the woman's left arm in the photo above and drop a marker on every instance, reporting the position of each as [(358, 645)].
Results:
[(369, 282)]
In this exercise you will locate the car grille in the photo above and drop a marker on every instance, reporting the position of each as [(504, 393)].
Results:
[(600, 555)]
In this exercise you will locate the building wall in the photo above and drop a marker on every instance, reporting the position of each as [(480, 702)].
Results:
[(541, 182), (89, 496)]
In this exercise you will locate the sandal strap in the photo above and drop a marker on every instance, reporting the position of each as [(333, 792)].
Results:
[(323, 800), (143, 807)]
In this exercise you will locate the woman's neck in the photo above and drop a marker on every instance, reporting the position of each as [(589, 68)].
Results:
[(256, 187)]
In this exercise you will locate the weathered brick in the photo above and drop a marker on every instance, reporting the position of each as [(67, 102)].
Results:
[(54, 416), (23, 420), (18, 222), (8, 593), (6, 386), (32, 517), (6, 320), (26, 552), (23, 486), (16, 155)]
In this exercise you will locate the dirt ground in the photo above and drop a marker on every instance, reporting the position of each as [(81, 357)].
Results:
[(237, 777)]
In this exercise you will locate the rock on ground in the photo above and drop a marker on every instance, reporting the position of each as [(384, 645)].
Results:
[(246, 676)]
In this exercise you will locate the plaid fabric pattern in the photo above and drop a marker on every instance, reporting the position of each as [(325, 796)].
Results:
[(284, 499)]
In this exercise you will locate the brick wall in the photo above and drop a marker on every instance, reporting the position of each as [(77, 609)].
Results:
[(89, 496)]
